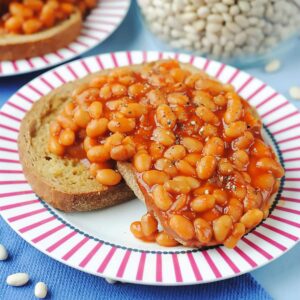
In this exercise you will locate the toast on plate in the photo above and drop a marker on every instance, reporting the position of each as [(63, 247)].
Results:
[(64, 184)]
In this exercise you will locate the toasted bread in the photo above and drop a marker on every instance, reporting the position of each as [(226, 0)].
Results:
[(64, 183), (13, 47)]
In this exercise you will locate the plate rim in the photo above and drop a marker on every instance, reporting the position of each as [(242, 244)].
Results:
[(143, 281), (74, 57)]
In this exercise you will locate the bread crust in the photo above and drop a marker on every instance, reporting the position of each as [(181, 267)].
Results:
[(14, 47), (64, 200)]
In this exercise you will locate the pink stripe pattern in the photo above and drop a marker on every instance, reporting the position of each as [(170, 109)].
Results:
[(140, 271), (106, 260), (123, 264), (91, 254), (177, 269), (75, 249), (194, 266), (61, 241)]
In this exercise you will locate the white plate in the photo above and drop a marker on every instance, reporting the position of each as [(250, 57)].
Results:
[(100, 242), (102, 21)]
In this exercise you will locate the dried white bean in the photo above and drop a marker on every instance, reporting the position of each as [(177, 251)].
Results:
[(111, 281), (40, 290), (295, 92), (273, 66), (3, 253), (17, 279)]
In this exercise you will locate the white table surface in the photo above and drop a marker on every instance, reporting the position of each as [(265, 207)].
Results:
[(280, 278)]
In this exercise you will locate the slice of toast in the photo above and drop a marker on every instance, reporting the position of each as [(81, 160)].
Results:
[(64, 183), (14, 47)]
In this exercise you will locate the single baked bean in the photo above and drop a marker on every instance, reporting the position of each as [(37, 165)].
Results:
[(238, 231), (178, 99), (47, 15), (192, 144), (269, 164), (206, 115), (137, 90), (98, 154), (122, 152), (203, 203), (205, 99), (95, 110), (67, 137), (238, 191), (55, 128), (149, 224), (221, 196), (97, 127), (136, 229), (153, 177), (234, 108), (235, 209), (105, 92), (55, 147), (121, 125), (203, 230), (225, 167), (14, 24), (220, 100), (260, 149), (206, 167), (156, 98), (222, 227), (244, 141), (166, 165), (179, 203), (114, 140), (253, 199), (235, 129), (108, 177), (66, 122), (252, 218), (191, 79), (192, 182), (81, 117), (115, 104), (98, 82), (133, 110), (142, 162), (164, 136), (31, 26), (206, 189), (118, 90), (87, 96), (69, 109), (208, 130), (240, 159), (156, 150), (177, 187), (165, 240), (264, 181), (180, 112), (185, 168), (193, 158), (161, 198), (94, 167), (213, 86), (165, 116), (88, 143), (183, 227), (175, 152), (214, 147)]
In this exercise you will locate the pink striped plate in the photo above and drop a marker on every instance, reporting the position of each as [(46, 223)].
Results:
[(103, 20), (100, 242)]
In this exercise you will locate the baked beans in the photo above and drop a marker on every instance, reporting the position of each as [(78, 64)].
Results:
[(31, 16), (195, 147)]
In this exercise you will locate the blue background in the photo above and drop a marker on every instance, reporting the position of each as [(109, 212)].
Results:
[(281, 278)]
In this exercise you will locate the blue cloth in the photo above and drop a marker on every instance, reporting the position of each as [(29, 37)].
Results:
[(66, 283)]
